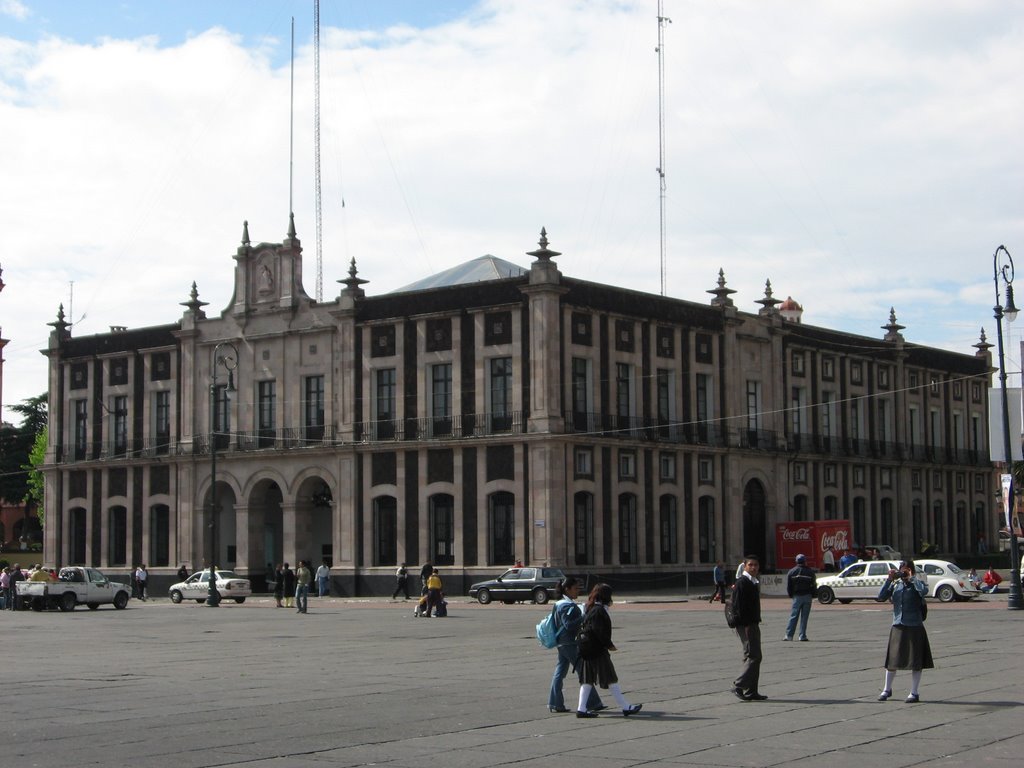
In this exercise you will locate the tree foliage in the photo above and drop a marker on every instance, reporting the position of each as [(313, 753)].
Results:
[(16, 445), (36, 457)]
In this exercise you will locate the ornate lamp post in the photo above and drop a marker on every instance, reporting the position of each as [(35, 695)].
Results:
[(229, 360), (1002, 267)]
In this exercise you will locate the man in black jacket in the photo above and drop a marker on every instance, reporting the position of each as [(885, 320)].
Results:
[(746, 602), (800, 584)]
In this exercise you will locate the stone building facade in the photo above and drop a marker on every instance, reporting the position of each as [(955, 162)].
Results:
[(471, 423)]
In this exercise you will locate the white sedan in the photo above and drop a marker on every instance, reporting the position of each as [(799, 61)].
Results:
[(197, 587)]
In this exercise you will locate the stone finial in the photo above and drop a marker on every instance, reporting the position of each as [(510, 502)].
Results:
[(982, 346), (291, 226), (352, 283), (543, 253), (768, 302), (892, 328), (721, 293), (245, 233), (194, 305), (60, 325)]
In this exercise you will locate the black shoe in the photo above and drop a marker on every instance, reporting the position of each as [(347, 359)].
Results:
[(755, 696), (585, 714), (599, 707), (739, 694), (557, 709), (632, 709)]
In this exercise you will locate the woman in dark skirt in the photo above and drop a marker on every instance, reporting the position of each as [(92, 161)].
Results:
[(908, 641), (595, 641)]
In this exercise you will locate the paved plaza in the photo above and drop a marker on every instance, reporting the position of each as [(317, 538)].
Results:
[(362, 682)]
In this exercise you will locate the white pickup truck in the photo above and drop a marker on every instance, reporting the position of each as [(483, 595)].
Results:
[(75, 585)]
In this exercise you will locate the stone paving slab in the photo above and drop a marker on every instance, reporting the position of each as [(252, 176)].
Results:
[(361, 682)]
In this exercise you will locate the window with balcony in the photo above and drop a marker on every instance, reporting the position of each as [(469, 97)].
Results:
[(162, 421), (313, 408), (441, 398), (385, 388), (705, 408), (500, 393), (266, 413), (221, 417), (119, 424), (582, 402), (624, 394)]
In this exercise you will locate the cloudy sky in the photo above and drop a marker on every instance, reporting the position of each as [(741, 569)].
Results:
[(860, 155)]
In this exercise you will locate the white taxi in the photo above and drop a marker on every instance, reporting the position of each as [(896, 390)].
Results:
[(197, 587), (860, 581)]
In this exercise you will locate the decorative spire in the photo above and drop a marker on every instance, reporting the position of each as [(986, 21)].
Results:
[(543, 253), (982, 346), (893, 328), (291, 226), (245, 233), (352, 282), (721, 293), (768, 302), (195, 306), (60, 325)]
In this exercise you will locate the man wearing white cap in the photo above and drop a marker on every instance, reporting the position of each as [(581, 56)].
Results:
[(800, 585)]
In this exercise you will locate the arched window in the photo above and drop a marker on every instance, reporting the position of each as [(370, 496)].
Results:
[(442, 529), (669, 526), (583, 527), (800, 508), (887, 524), (117, 536), (706, 528), (501, 518), (385, 530), (159, 535), (859, 519), (627, 529), (78, 529)]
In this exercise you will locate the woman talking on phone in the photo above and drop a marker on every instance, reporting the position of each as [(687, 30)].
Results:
[(908, 641)]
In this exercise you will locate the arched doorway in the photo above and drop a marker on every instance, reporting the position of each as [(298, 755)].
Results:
[(314, 522), (222, 528), (266, 528), (754, 514)]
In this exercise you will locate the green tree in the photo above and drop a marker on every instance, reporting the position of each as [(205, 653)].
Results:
[(36, 457), (16, 445)]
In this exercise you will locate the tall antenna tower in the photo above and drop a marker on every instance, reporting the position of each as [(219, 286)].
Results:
[(316, 153), (662, 21)]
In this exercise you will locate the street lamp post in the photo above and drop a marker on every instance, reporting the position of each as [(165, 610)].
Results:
[(229, 360), (1003, 268)]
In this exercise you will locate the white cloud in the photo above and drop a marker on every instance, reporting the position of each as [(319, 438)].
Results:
[(15, 9), (860, 155)]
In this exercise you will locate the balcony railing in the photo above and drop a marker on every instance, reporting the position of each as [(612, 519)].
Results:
[(475, 425)]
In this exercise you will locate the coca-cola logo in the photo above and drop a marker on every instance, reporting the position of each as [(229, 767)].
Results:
[(796, 534), (835, 540)]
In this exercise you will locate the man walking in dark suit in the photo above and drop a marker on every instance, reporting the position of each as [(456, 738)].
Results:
[(746, 598)]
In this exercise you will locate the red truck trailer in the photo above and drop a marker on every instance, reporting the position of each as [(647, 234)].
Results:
[(811, 539)]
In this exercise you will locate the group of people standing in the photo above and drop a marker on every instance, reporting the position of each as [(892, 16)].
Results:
[(585, 646), (908, 647), (289, 584)]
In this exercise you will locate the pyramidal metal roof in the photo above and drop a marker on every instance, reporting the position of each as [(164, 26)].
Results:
[(474, 271)]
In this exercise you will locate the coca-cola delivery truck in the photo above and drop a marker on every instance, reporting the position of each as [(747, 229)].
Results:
[(811, 539)]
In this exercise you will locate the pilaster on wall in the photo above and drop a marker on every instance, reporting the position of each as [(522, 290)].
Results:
[(548, 504)]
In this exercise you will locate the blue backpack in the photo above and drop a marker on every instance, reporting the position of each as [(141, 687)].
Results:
[(548, 631)]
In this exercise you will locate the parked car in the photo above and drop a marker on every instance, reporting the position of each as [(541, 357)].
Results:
[(946, 581), (518, 585), (197, 587), (885, 552), (862, 580)]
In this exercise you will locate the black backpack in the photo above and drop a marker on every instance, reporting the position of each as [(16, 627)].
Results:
[(730, 611)]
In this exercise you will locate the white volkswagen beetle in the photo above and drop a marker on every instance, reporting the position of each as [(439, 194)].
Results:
[(197, 587)]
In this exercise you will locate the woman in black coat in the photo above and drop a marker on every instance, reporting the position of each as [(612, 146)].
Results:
[(595, 640)]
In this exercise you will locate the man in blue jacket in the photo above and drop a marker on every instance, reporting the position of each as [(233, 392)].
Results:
[(800, 585)]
